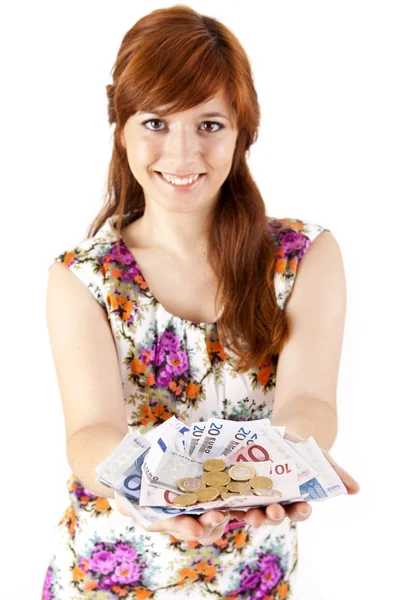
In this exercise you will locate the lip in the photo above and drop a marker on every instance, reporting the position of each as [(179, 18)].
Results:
[(182, 188)]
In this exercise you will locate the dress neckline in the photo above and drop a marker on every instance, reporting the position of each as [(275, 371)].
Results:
[(112, 220)]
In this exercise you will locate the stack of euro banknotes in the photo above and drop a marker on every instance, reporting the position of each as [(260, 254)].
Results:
[(250, 463)]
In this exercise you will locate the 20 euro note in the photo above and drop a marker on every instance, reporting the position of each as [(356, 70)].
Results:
[(222, 438)]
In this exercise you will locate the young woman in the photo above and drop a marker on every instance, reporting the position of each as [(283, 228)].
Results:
[(182, 301)]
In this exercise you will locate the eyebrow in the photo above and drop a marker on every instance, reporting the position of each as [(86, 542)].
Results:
[(203, 116)]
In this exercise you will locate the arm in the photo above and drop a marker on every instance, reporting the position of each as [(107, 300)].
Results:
[(88, 374), (307, 417), (308, 366), (91, 390), (87, 448)]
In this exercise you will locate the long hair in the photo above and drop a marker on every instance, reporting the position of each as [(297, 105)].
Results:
[(179, 57)]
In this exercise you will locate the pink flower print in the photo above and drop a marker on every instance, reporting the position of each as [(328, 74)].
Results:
[(121, 253), (106, 584), (170, 341), (158, 354), (291, 240), (177, 362), (46, 586), (270, 573), (84, 564), (131, 273), (104, 562), (251, 581), (163, 378), (126, 573), (147, 356), (125, 553)]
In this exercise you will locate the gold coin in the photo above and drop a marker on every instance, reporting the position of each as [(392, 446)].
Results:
[(242, 472), (222, 489), (248, 492), (267, 492), (261, 482), (207, 494), (215, 478), (238, 486), (190, 484), (185, 500), (214, 464), (229, 495)]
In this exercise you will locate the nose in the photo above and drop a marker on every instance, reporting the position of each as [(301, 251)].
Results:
[(181, 143)]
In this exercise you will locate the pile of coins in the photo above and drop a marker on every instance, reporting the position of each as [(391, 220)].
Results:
[(219, 481)]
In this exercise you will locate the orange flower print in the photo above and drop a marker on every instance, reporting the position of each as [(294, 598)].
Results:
[(263, 375), (240, 539), (293, 264), (192, 391), (137, 367), (283, 589)]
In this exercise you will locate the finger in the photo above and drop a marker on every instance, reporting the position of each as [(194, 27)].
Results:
[(182, 524), (213, 518), (298, 511), (238, 514), (255, 517), (215, 533), (275, 514), (350, 483)]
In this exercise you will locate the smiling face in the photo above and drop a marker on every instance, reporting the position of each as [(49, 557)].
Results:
[(191, 142)]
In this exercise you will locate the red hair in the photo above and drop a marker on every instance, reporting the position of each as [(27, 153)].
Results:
[(179, 57)]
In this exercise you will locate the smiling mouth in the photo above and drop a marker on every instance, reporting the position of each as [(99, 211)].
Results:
[(183, 187)]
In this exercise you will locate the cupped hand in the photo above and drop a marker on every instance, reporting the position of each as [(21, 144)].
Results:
[(204, 528), (275, 514)]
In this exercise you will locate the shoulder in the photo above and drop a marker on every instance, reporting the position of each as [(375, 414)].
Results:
[(295, 239), (90, 260), (93, 253)]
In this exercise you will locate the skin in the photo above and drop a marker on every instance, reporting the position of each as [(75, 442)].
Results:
[(174, 221)]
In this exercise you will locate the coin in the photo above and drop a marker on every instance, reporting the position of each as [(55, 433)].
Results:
[(242, 472), (248, 492), (207, 494), (222, 489), (238, 486), (261, 482), (190, 484), (214, 464), (267, 492), (215, 478), (185, 500), (229, 495)]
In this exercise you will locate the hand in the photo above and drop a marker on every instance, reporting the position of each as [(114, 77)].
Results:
[(204, 528), (275, 513)]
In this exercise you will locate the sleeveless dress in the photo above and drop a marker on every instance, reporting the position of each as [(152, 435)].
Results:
[(171, 366)]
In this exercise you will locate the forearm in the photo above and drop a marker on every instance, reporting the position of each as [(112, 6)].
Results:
[(307, 417), (88, 448)]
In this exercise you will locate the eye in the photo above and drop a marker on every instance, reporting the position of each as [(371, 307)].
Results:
[(156, 130), (215, 123)]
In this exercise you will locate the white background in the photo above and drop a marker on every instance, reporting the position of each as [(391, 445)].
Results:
[(327, 75)]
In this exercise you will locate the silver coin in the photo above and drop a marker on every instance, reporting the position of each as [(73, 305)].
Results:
[(267, 492), (190, 484)]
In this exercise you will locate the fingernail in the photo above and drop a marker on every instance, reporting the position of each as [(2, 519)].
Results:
[(304, 512)]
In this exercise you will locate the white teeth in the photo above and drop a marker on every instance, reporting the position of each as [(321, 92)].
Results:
[(178, 180)]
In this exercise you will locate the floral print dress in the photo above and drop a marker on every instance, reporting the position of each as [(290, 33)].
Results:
[(171, 366)]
